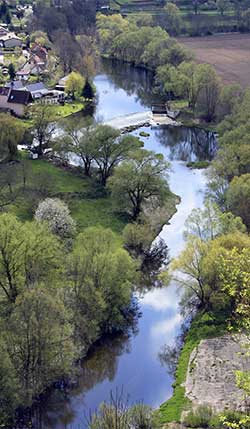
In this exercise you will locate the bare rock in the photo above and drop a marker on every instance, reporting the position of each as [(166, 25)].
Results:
[(211, 373)]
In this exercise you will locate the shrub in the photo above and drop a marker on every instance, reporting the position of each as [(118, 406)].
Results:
[(56, 213), (200, 418)]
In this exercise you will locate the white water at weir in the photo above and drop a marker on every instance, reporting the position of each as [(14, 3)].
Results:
[(133, 363)]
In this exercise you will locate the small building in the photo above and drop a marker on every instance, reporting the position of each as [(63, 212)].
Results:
[(38, 90), (62, 84), (14, 100), (10, 40)]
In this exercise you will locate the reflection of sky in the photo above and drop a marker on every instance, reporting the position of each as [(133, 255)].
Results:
[(140, 371), (114, 101)]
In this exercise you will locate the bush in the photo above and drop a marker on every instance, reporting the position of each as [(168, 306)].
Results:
[(56, 213), (200, 418)]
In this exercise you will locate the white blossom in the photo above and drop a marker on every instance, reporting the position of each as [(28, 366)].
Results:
[(56, 213)]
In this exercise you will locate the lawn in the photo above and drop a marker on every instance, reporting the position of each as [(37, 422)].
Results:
[(59, 112), (88, 204)]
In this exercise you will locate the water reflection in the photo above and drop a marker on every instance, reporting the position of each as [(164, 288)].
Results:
[(187, 144), (135, 81), (64, 407)]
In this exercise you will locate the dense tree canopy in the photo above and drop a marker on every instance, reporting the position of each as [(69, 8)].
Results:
[(139, 181), (109, 148)]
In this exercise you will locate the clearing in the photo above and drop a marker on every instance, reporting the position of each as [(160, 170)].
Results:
[(228, 53)]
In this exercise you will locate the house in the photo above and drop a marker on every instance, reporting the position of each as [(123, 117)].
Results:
[(34, 66), (15, 84), (37, 90), (62, 83), (10, 40), (3, 31), (40, 52), (14, 100)]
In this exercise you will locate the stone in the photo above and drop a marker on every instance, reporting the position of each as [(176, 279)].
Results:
[(211, 373)]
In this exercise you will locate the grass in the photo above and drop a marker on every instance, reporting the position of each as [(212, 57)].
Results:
[(59, 112), (202, 327), (88, 205), (66, 110)]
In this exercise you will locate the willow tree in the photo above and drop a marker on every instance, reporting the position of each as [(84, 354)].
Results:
[(138, 181)]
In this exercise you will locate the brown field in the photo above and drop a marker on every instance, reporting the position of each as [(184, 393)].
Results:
[(228, 53)]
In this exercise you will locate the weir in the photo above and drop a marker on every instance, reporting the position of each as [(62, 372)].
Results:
[(133, 121)]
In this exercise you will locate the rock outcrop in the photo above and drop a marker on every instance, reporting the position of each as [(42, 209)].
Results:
[(211, 373)]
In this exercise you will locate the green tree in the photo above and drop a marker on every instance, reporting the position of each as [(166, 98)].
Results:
[(229, 97), (43, 126), (210, 222), (222, 6), (39, 341), (238, 198), (11, 134), (210, 86), (12, 71), (101, 276), (74, 84), (202, 284), (9, 387), (78, 138), (28, 254), (173, 20), (109, 148), (139, 181), (88, 91)]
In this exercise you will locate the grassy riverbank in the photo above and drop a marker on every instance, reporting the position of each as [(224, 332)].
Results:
[(89, 204), (202, 327)]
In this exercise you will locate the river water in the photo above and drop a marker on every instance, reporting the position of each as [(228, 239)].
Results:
[(132, 361)]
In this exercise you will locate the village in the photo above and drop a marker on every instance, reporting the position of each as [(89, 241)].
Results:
[(30, 72)]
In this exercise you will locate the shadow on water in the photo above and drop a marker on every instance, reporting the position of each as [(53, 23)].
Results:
[(56, 410)]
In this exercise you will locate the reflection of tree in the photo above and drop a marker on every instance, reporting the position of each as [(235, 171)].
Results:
[(134, 80), (188, 144), (101, 364), (169, 354)]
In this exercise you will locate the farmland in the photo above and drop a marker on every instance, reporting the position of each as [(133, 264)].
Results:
[(228, 53)]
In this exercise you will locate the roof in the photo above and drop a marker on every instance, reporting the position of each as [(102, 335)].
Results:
[(19, 97), (37, 90), (15, 84), (39, 86), (10, 36), (4, 91), (63, 80), (39, 50)]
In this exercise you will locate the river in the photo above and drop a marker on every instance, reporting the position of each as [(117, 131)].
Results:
[(132, 361)]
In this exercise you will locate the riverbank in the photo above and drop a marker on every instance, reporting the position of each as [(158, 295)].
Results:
[(202, 327)]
